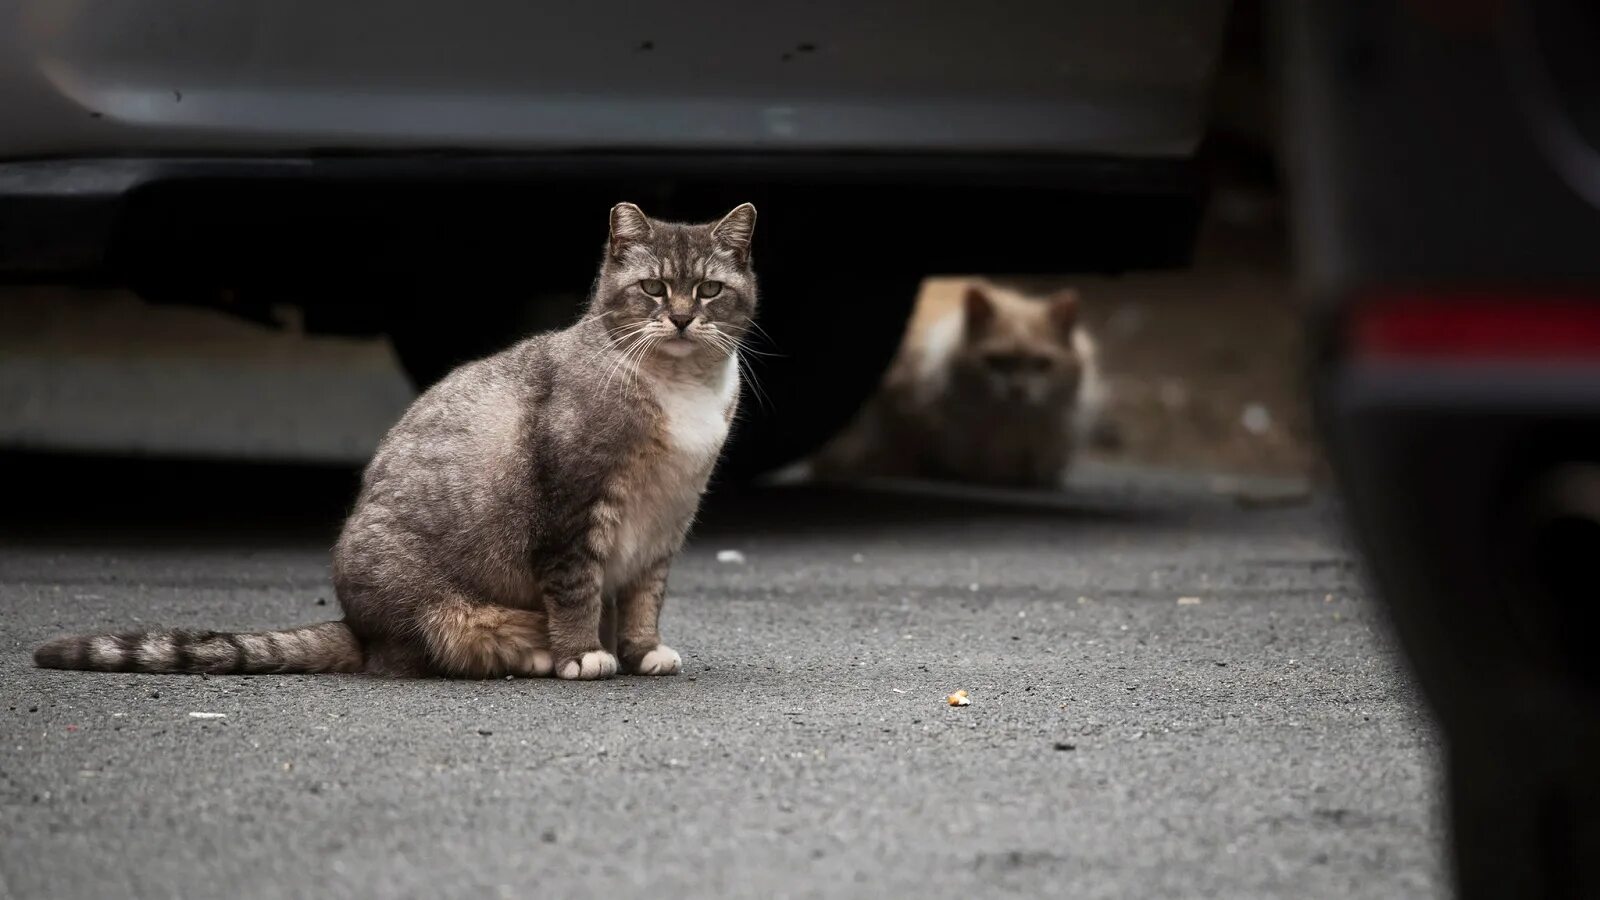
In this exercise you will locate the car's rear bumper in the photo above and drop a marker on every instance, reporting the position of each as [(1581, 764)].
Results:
[(238, 220)]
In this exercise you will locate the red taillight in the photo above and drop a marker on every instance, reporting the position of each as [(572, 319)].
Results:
[(1479, 327)]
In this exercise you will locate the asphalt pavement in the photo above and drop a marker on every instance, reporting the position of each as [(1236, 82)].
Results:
[(1171, 695)]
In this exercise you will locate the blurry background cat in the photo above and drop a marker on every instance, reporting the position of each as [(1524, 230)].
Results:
[(990, 385)]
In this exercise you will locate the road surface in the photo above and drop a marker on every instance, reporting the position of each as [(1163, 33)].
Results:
[(1170, 696)]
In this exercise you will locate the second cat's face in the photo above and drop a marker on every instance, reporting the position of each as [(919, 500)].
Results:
[(677, 290), (1020, 355)]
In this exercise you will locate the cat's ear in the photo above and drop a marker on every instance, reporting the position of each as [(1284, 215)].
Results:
[(735, 231), (978, 310), (628, 226), (1064, 311)]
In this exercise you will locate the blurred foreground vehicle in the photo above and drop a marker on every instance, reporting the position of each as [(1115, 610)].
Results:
[(1447, 162), (440, 173)]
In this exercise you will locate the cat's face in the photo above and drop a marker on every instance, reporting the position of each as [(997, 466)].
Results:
[(678, 290), (1019, 356)]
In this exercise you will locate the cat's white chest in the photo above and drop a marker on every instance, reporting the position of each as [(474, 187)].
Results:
[(664, 496), (695, 413)]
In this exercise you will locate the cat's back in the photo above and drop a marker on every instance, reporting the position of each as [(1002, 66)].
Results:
[(472, 415), (458, 460)]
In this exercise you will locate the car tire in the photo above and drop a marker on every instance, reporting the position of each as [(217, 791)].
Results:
[(824, 357), (432, 337)]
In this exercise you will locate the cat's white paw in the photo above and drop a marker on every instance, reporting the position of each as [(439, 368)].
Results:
[(540, 663), (589, 666), (663, 660)]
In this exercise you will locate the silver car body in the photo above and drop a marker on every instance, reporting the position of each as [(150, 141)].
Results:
[(224, 77)]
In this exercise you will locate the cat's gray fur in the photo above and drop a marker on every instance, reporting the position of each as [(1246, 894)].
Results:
[(521, 517)]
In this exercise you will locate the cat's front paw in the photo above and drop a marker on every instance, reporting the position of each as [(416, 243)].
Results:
[(658, 660), (588, 666)]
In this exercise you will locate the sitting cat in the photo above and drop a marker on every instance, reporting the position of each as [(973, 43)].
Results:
[(990, 386), (521, 517)]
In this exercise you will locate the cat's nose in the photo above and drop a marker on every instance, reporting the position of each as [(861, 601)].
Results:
[(681, 320)]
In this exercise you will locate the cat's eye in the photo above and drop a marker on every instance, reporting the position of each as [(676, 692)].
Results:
[(655, 287), (708, 289)]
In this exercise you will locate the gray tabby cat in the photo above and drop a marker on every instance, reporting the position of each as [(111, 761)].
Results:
[(521, 517)]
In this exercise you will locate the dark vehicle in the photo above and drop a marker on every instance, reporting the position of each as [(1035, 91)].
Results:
[(1448, 178), (410, 168)]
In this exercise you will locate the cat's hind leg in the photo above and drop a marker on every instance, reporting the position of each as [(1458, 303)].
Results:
[(463, 638)]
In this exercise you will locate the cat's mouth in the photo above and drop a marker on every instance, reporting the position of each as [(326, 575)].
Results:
[(679, 345)]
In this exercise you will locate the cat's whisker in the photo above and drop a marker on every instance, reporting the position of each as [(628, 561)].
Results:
[(648, 344), (759, 330), (762, 397), (612, 342), (623, 342), (737, 340), (764, 335), (744, 341), (743, 345), (636, 339), (628, 363), (623, 332), (720, 341), (644, 345), (729, 344), (716, 339)]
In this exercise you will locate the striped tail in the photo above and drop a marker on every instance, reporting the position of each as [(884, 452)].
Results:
[(326, 647)]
